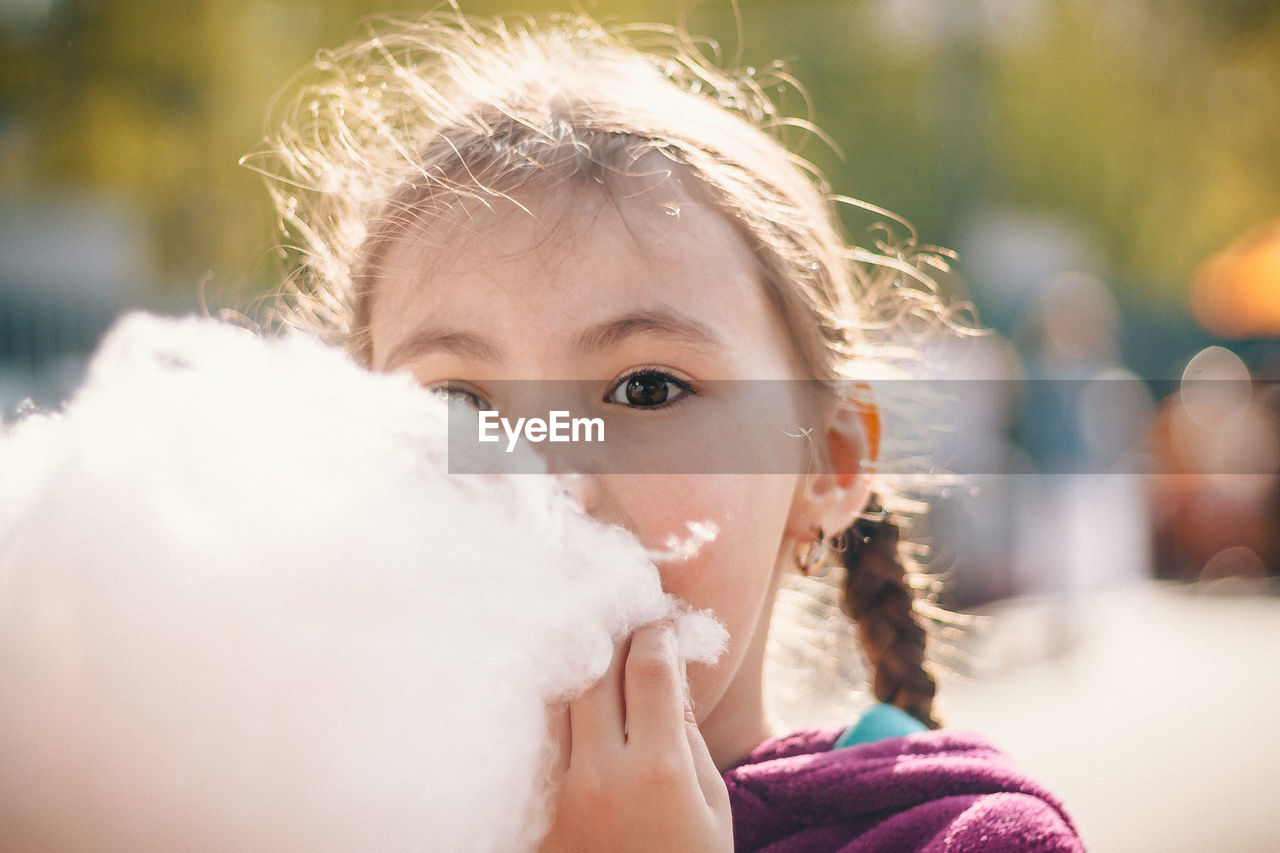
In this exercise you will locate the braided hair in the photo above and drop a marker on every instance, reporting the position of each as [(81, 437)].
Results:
[(880, 599)]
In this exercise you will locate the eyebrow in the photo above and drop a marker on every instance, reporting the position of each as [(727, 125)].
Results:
[(429, 340), (657, 321)]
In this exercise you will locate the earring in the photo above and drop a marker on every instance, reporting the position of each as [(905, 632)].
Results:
[(809, 555)]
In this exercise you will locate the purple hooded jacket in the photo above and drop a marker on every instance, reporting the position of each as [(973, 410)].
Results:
[(930, 792)]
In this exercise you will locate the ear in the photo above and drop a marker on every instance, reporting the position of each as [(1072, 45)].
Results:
[(831, 498)]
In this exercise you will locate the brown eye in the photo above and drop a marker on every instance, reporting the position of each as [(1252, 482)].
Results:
[(648, 389)]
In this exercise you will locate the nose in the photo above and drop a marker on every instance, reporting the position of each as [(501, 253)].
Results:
[(567, 460), (584, 489)]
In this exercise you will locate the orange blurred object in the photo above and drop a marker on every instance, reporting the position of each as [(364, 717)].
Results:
[(1236, 292)]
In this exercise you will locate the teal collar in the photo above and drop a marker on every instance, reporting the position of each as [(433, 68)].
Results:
[(878, 722)]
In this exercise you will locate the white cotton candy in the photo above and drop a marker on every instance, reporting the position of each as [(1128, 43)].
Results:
[(244, 607)]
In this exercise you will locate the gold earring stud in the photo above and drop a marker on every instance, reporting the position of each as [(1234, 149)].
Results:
[(811, 554)]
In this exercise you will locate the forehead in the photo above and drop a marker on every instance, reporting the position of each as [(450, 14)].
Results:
[(547, 259)]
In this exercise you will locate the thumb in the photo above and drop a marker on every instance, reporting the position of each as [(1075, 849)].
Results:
[(710, 782)]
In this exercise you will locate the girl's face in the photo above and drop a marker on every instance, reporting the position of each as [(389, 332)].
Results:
[(646, 293)]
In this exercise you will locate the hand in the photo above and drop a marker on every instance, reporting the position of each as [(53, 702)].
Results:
[(638, 776)]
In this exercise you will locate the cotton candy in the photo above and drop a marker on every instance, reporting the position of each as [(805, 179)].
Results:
[(244, 606)]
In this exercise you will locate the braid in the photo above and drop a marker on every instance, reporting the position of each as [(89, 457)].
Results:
[(881, 601)]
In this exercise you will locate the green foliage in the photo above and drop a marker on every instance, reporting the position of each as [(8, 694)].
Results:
[(1156, 127)]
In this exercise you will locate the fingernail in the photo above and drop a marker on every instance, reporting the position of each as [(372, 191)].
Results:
[(668, 632), (673, 640)]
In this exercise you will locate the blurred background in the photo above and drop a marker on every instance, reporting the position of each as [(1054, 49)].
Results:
[(1108, 172)]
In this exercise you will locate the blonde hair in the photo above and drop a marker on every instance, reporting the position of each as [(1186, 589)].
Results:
[(399, 129)]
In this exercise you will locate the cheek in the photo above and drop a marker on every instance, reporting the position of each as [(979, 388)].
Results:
[(730, 574)]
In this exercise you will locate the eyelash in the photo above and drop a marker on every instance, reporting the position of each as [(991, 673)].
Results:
[(686, 390), (450, 388)]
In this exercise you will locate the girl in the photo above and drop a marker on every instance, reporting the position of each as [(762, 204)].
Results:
[(476, 202)]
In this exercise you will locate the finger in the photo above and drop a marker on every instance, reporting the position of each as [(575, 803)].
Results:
[(710, 781), (596, 717), (654, 689)]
